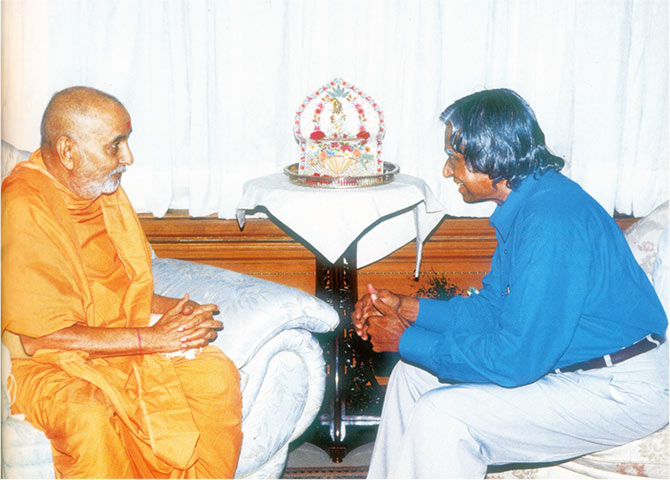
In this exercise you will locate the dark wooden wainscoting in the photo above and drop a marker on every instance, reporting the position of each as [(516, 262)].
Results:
[(459, 250)]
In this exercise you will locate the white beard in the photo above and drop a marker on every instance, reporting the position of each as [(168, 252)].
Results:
[(110, 185)]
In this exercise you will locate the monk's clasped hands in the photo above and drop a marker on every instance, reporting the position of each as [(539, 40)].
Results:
[(186, 325)]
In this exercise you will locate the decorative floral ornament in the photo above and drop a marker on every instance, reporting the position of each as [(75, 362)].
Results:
[(346, 132), (317, 134)]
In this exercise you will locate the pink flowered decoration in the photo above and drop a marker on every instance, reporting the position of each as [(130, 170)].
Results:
[(346, 132)]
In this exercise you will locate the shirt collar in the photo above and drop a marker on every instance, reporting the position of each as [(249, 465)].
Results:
[(503, 217)]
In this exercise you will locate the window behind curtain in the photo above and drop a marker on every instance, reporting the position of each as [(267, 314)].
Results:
[(213, 86)]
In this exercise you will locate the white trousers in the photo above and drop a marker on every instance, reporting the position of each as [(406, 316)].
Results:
[(431, 429)]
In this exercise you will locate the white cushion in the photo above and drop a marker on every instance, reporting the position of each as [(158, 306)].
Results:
[(644, 235), (661, 275), (11, 156), (26, 452), (252, 310)]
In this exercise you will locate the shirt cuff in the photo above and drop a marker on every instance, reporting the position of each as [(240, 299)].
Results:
[(417, 345), (432, 315)]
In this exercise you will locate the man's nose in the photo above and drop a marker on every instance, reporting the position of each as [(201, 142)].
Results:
[(447, 171), (127, 156)]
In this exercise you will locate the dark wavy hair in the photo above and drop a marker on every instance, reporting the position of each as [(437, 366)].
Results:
[(497, 133)]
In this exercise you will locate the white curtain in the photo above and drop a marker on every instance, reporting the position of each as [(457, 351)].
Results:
[(213, 86)]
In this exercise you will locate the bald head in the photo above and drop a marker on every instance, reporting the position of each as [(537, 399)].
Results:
[(85, 141), (69, 112)]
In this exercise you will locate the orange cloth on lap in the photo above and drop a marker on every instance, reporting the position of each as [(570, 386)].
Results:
[(67, 261)]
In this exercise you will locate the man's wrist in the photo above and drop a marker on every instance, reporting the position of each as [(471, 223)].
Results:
[(409, 308)]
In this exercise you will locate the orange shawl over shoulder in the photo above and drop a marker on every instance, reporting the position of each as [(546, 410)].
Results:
[(44, 282)]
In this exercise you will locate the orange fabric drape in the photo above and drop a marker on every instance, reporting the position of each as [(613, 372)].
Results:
[(137, 416), (42, 266)]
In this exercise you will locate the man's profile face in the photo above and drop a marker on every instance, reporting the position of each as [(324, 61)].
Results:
[(103, 150), (474, 187)]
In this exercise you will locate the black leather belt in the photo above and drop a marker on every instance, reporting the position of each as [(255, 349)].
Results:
[(649, 342)]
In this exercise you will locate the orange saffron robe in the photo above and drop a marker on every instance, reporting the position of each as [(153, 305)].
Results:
[(68, 261)]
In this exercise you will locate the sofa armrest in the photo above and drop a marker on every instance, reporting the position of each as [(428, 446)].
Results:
[(252, 310), (26, 451), (304, 347), (284, 392)]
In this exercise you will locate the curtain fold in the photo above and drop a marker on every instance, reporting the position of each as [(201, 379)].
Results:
[(213, 86)]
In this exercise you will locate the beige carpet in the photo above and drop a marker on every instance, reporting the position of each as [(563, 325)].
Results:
[(310, 461), (326, 472)]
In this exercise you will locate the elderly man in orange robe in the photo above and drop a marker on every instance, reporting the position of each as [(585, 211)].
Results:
[(77, 298)]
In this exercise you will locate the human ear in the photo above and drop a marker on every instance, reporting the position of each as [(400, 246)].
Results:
[(65, 149)]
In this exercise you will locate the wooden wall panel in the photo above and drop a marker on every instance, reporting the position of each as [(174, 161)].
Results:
[(261, 249), (460, 250)]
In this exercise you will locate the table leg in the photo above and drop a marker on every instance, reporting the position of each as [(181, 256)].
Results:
[(353, 396)]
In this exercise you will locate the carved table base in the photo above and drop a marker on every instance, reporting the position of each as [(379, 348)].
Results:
[(353, 398)]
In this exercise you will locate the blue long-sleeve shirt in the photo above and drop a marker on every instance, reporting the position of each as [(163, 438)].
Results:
[(564, 287)]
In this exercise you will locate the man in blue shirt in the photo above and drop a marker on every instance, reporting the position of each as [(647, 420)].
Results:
[(561, 353)]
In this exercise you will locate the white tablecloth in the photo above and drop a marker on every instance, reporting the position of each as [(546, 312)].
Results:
[(330, 220)]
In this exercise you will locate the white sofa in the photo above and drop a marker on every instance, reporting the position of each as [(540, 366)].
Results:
[(649, 239), (267, 334)]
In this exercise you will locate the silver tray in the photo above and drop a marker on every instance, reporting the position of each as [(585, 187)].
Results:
[(390, 170)]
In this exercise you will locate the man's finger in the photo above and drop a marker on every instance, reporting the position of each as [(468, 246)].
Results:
[(371, 309), (177, 308), (380, 305), (189, 307), (362, 332), (209, 308)]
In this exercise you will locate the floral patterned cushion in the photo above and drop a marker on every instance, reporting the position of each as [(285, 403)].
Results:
[(644, 235), (647, 457), (661, 276), (252, 310)]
